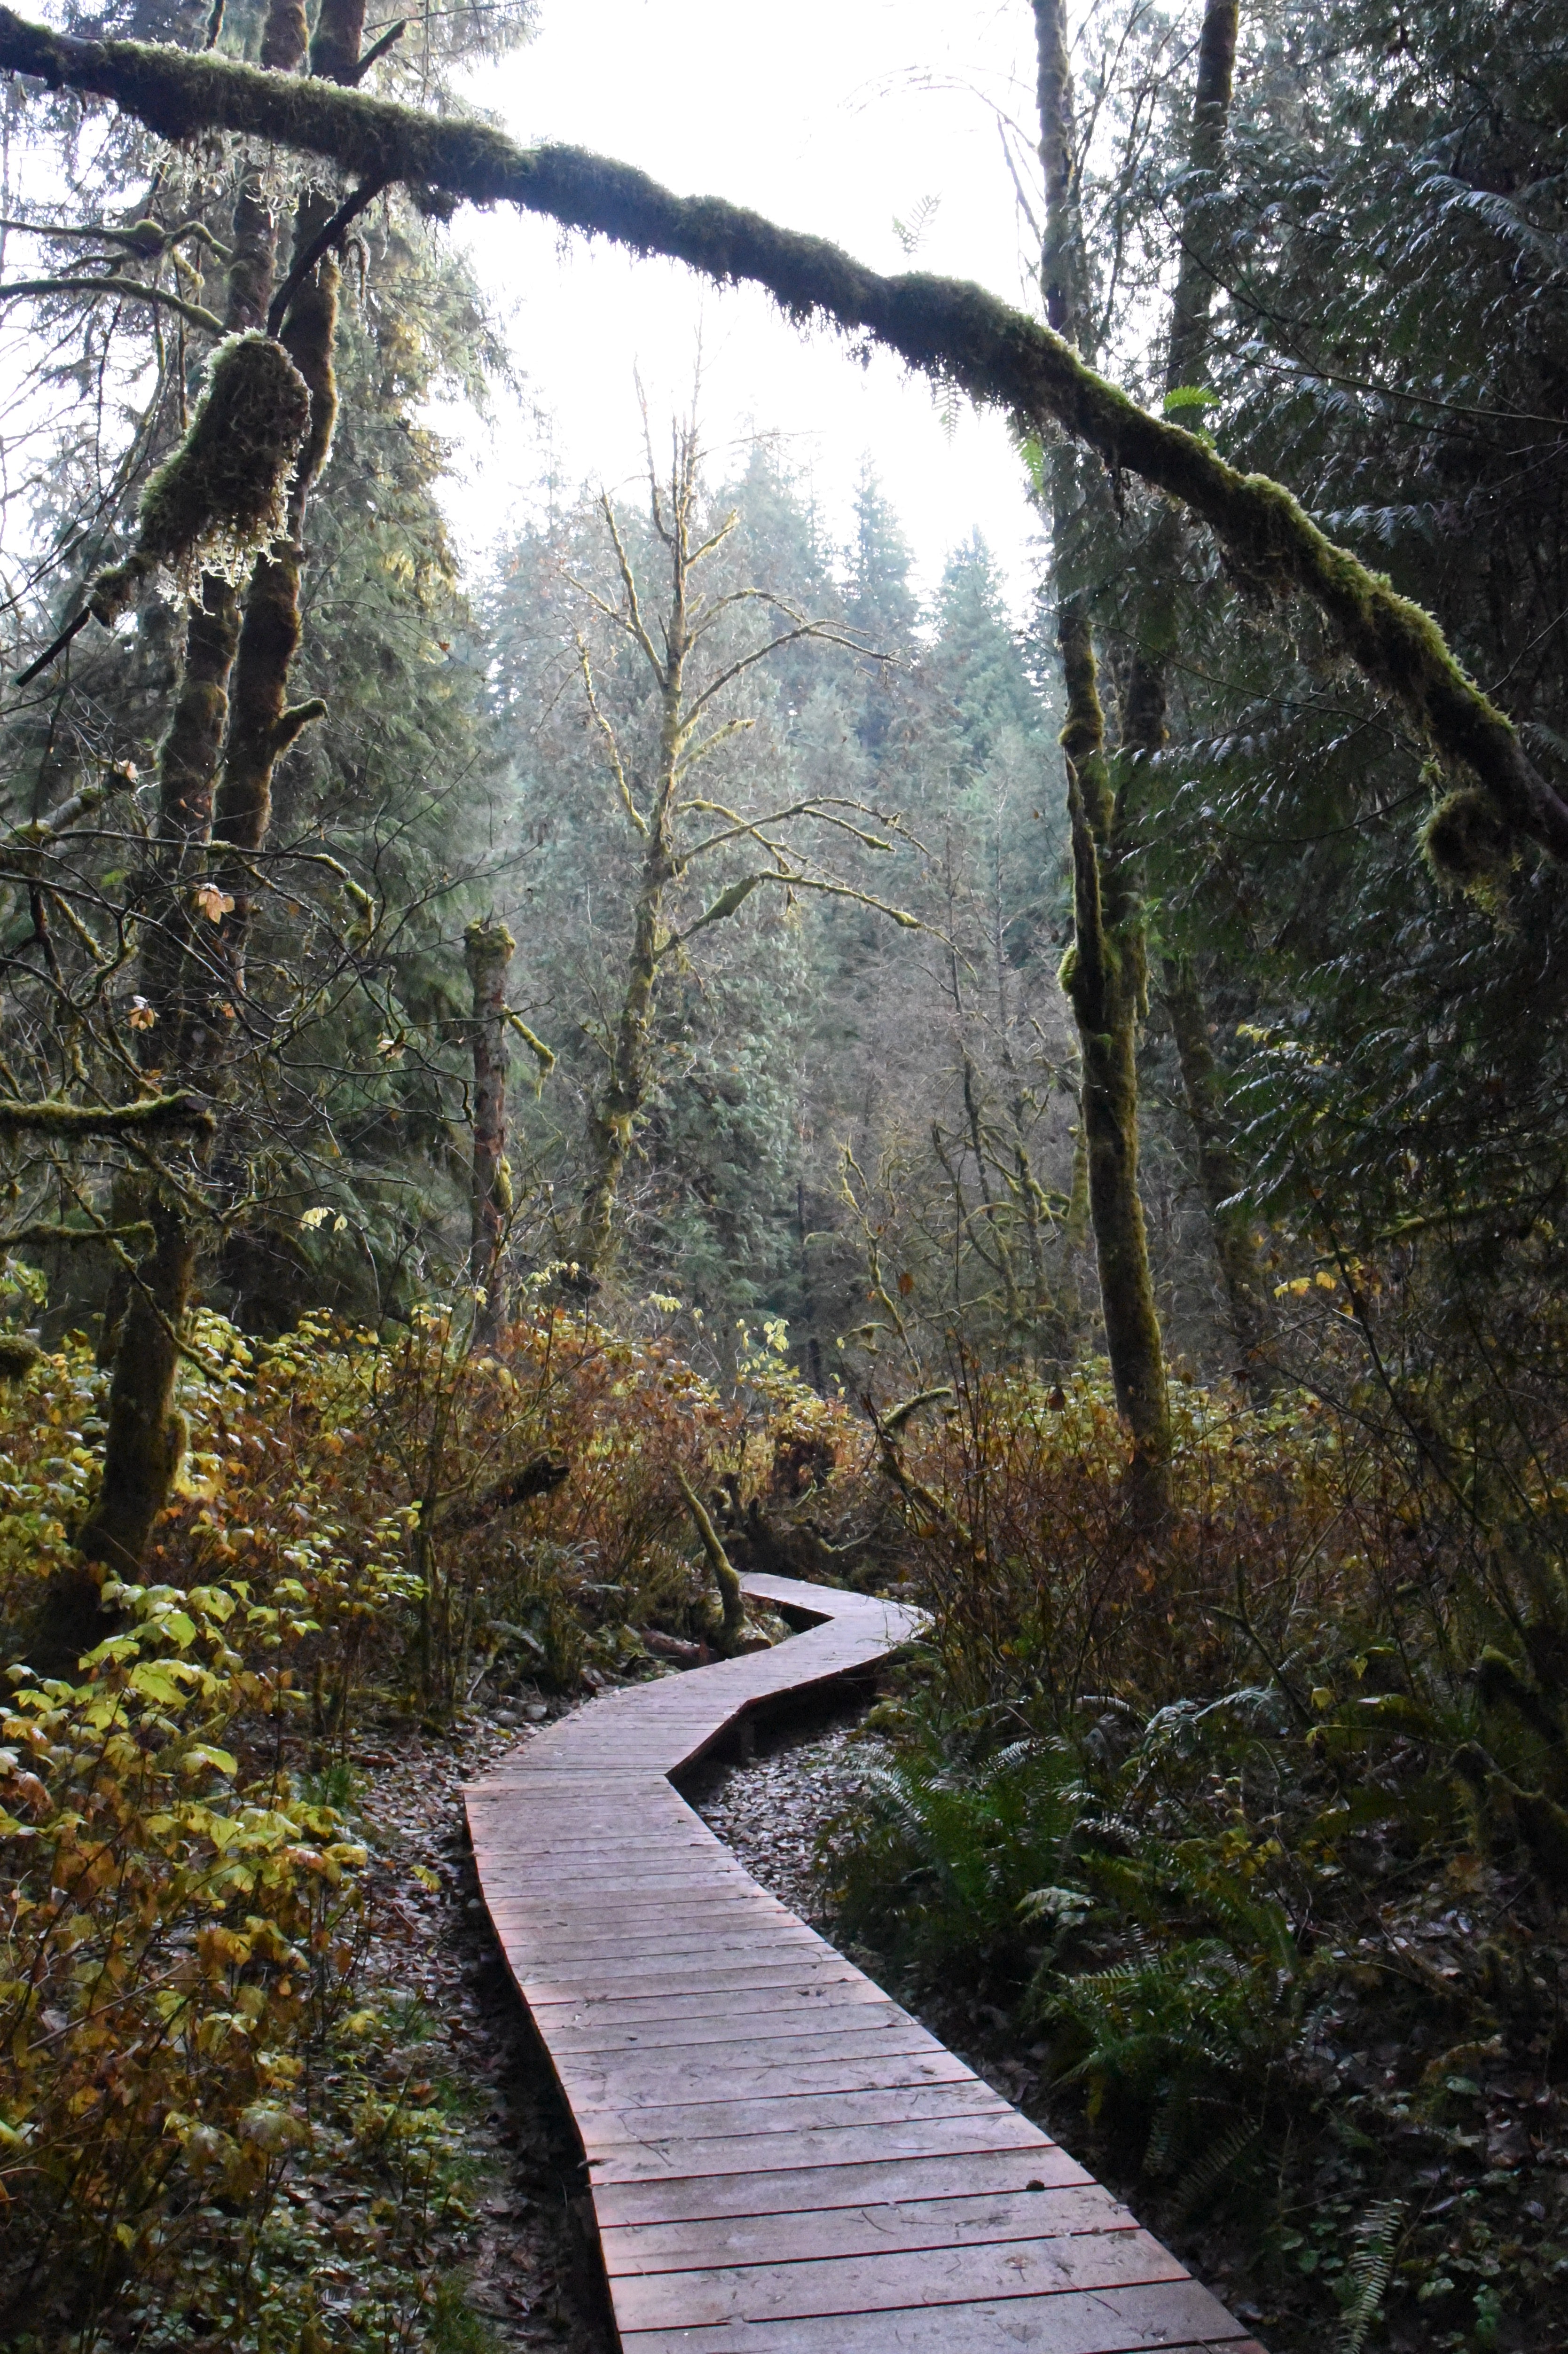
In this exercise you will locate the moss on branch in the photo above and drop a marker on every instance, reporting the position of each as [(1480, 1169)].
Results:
[(944, 328), (149, 1115)]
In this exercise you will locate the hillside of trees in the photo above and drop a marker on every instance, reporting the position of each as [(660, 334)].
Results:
[(525, 1086)]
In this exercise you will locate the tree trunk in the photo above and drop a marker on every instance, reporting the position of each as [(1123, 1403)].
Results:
[(488, 948), (1105, 974), (263, 722), (614, 1116), (181, 978), (1144, 728)]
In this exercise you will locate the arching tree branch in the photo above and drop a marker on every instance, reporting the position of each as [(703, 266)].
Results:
[(944, 327)]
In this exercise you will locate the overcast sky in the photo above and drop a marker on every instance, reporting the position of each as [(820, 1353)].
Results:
[(835, 116)]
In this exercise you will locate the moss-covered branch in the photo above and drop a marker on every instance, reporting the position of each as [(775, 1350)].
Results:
[(944, 327), (149, 1115), (126, 290)]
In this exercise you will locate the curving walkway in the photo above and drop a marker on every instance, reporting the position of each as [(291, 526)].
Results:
[(782, 2160)]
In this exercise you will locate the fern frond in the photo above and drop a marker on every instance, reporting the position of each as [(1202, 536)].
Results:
[(1371, 2260)]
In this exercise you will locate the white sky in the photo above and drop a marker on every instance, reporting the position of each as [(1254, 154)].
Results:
[(833, 116)]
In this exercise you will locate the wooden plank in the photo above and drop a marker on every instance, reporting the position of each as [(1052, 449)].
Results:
[(780, 2157), (788, 2113), (593, 2014), (810, 2146), (1087, 2325), (778, 1975), (879, 2229), (796, 2190), (984, 2272), (680, 2081), (734, 2025)]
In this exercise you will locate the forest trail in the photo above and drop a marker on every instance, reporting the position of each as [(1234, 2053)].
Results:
[(781, 2160)]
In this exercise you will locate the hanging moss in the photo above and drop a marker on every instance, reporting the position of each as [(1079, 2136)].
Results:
[(221, 494), (1469, 843)]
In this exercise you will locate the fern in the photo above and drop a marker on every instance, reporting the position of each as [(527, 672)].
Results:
[(911, 233), (1366, 2274)]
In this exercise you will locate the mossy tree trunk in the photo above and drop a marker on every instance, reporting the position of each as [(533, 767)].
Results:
[(264, 723), (1105, 973), (221, 702), (487, 949), (1146, 703)]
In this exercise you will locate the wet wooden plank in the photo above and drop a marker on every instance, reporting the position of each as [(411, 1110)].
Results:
[(780, 2157), (796, 2190), (878, 2228), (1089, 2325), (786, 2112), (804, 2290), (685, 2079), (991, 2128)]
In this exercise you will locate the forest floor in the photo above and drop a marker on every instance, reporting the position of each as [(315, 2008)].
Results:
[(520, 2244)]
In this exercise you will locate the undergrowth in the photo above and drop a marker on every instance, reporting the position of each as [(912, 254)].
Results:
[(217, 2128), (1244, 1838)]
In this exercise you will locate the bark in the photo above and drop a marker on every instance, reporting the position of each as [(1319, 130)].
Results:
[(337, 41), (264, 723), (146, 1438), (489, 948), (183, 977), (1144, 728), (943, 327), (1105, 973), (732, 1598), (612, 1121)]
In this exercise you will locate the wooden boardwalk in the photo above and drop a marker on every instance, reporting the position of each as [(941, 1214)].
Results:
[(781, 2160)]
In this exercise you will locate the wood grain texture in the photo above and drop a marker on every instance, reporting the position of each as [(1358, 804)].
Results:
[(781, 2159)]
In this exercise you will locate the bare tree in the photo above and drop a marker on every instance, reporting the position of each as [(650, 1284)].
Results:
[(695, 647)]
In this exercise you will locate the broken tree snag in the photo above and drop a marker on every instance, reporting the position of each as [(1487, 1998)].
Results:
[(488, 949), (942, 326)]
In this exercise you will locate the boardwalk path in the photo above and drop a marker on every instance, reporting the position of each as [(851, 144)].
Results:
[(782, 2160)]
